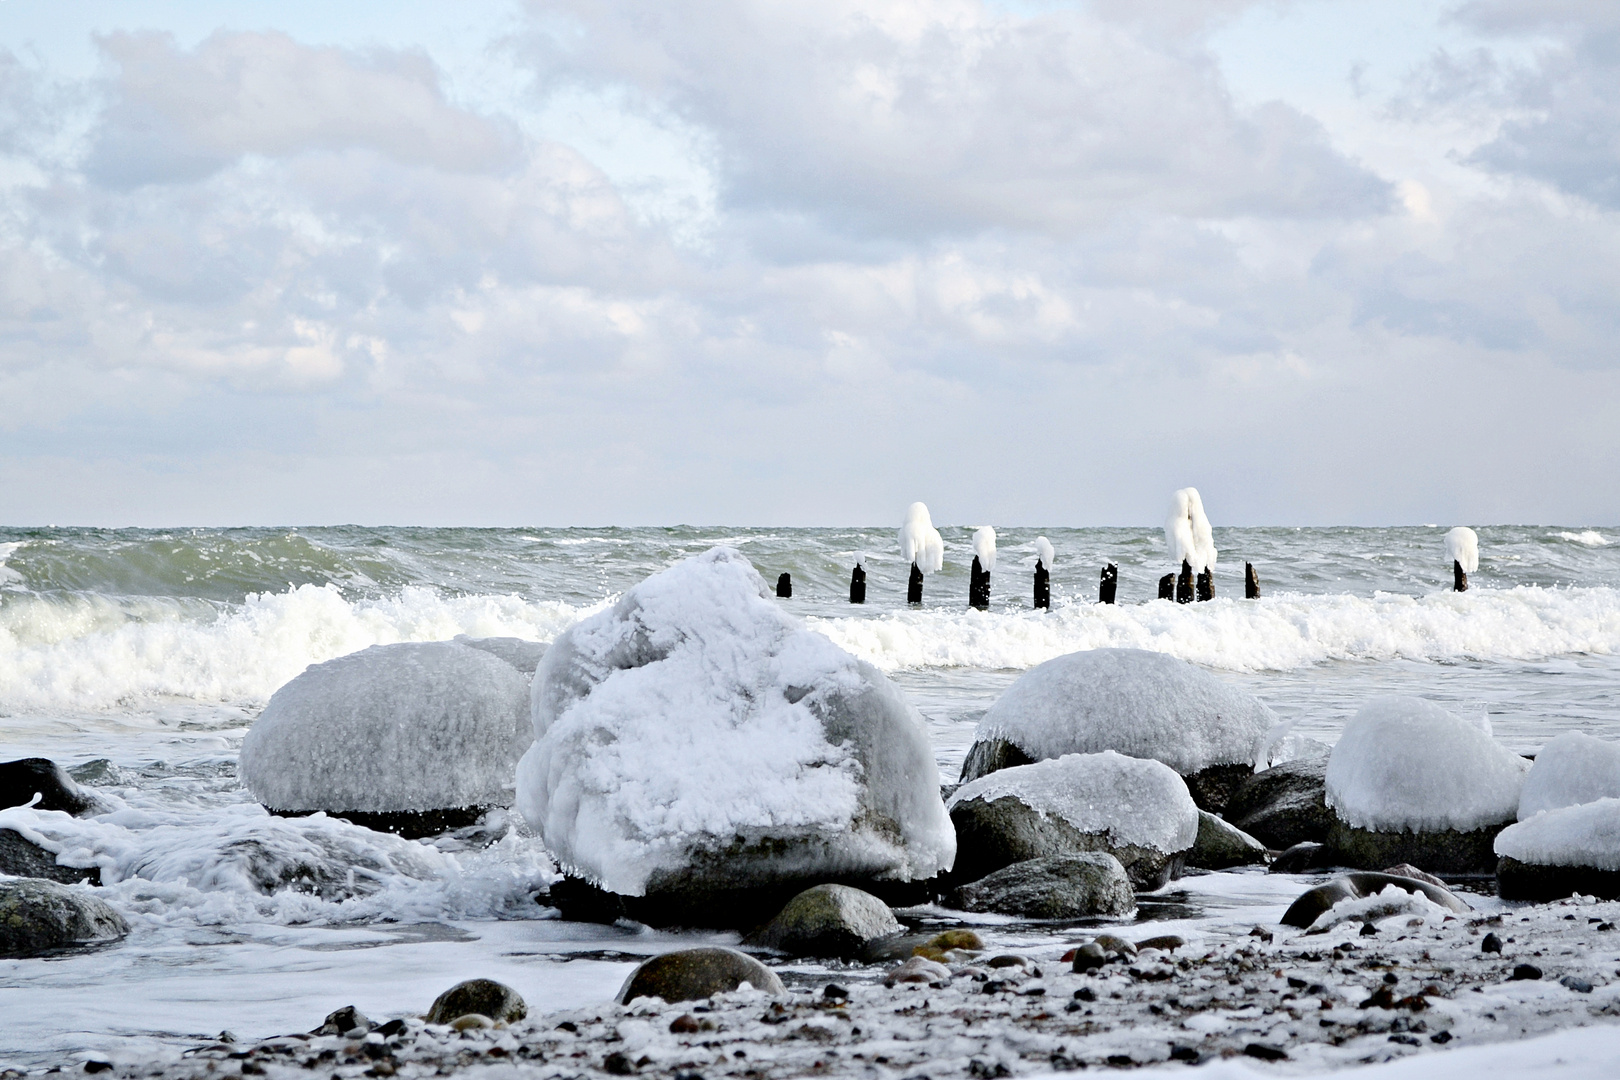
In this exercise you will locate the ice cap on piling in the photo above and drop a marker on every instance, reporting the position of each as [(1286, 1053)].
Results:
[(1044, 552), (1187, 532), (984, 546), (920, 542), (1462, 546)]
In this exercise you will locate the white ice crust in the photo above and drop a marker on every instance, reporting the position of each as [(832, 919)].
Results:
[(1044, 552), (920, 542), (1571, 769), (1405, 763), (413, 726), (1462, 546), (1584, 835), (696, 711), (1188, 533), (984, 546), (1140, 703), (1133, 800)]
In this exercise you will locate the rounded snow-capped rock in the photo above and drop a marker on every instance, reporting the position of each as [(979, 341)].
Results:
[(1284, 805), (1137, 810), (21, 857), (1570, 770), (38, 916), (1314, 902), (1054, 887), (410, 738), (521, 653), (1138, 703), (1561, 852), (694, 974), (828, 920), (24, 778), (1409, 782), (699, 750), (484, 997), (1220, 845)]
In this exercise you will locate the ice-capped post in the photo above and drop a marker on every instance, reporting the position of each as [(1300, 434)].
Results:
[(1192, 543), (1108, 589), (1462, 544), (857, 580), (984, 561), (784, 586), (1044, 557), (921, 546)]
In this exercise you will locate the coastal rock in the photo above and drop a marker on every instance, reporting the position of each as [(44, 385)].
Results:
[(1445, 850), (483, 997), (1561, 852), (828, 920), (1220, 845), (1055, 887), (21, 857), (342, 1021), (697, 747), (1569, 770), (22, 779), (410, 738), (1137, 810), (1303, 858), (694, 974), (1358, 886), (519, 652), (38, 916), (1138, 703), (987, 755), (1284, 805)]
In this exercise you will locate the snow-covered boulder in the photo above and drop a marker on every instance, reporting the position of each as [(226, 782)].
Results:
[(697, 746), (1410, 782), (1137, 810), (1139, 703), (1560, 852), (410, 738), (1571, 769), (519, 652)]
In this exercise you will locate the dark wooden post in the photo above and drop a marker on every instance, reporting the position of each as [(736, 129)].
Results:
[(914, 586), (1206, 584), (1109, 586), (978, 586), (1184, 583), (784, 586), (1459, 577), (1251, 582), (857, 585), (1167, 587), (1043, 587)]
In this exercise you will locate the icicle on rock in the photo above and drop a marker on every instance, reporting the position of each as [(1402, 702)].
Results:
[(857, 581), (1462, 546), (1251, 582), (1108, 589), (921, 546), (784, 586)]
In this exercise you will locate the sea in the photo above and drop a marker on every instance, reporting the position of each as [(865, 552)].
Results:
[(138, 659)]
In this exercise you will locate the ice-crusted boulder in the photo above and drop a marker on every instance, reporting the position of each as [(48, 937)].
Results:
[(1139, 703), (1571, 769), (409, 738), (1135, 809), (1409, 782), (697, 747), (1561, 852)]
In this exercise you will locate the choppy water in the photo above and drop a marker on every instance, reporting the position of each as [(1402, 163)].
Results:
[(155, 649)]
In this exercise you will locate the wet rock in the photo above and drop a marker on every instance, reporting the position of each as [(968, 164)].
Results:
[(1490, 944), (1447, 851), (1303, 858), (1517, 880), (1408, 870), (21, 857), (1089, 957), (343, 1020), (1284, 805), (1266, 1052), (1115, 946), (1220, 845), (22, 779), (1055, 887), (990, 754), (1212, 787), (1575, 983), (1166, 942), (920, 970), (828, 920), (1311, 904), (694, 974), (485, 997), (38, 917), (1522, 972)]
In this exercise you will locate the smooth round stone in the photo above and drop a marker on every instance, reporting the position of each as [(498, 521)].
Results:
[(39, 916), (694, 974), (486, 997)]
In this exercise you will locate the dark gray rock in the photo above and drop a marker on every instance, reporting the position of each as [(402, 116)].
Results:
[(20, 780), (828, 920), (1303, 858), (1408, 870), (1056, 887), (1220, 845), (989, 755), (1305, 910), (485, 997), (1517, 880), (39, 917), (21, 857), (1284, 805), (993, 833), (1212, 788), (1446, 851), (694, 974), (341, 1021)]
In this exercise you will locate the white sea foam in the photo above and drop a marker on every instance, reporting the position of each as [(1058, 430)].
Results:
[(1588, 537), (7, 574)]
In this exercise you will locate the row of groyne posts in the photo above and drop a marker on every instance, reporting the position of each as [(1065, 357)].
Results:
[(1187, 533)]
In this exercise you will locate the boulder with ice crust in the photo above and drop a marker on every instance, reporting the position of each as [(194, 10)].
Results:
[(1569, 770), (410, 738), (702, 756), (1409, 782), (1561, 852), (1139, 703)]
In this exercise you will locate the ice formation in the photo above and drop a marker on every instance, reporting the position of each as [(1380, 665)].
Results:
[(920, 542), (520, 653), (1571, 769), (1394, 900), (1584, 835), (1134, 800), (984, 546), (1187, 532), (1462, 546), (1044, 552), (1144, 704), (695, 724), (415, 726), (1405, 763)]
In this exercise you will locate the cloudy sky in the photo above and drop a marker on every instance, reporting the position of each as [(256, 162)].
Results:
[(589, 262)]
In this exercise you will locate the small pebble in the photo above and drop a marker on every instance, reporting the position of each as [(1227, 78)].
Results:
[(1491, 943), (1525, 971)]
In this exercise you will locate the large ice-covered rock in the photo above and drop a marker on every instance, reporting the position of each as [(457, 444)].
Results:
[(407, 737), (1562, 851), (1139, 703), (1571, 769), (1409, 782), (696, 744), (1135, 809)]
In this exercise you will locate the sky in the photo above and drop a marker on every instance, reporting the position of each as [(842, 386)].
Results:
[(594, 263)]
